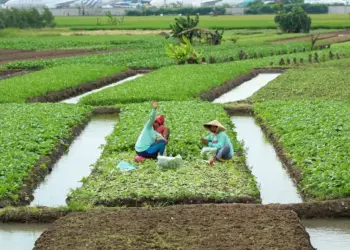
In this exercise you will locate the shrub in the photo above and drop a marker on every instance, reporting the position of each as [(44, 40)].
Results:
[(26, 18), (296, 21)]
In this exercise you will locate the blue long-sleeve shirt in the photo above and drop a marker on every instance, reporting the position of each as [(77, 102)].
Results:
[(220, 140), (148, 135)]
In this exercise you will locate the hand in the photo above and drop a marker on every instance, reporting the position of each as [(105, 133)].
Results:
[(205, 141), (154, 104)]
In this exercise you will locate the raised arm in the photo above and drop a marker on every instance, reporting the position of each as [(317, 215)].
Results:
[(149, 123)]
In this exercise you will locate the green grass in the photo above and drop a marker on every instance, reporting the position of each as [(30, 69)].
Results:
[(327, 81), (227, 22), (21, 88), (315, 136), (28, 132), (149, 184)]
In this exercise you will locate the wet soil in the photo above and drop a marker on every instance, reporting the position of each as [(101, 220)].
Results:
[(319, 209), (230, 84), (86, 87), (179, 227), (331, 37), (12, 72), (8, 55)]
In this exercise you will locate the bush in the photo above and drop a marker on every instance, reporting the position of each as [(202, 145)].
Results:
[(296, 21), (26, 18)]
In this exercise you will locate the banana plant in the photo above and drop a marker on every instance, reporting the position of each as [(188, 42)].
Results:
[(184, 52)]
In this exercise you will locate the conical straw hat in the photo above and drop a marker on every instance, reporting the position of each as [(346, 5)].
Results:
[(215, 123)]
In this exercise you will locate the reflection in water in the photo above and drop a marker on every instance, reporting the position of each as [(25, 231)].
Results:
[(275, 184), (333, 234), (76, 99), (16, 236), (73, 166), (246, 89)]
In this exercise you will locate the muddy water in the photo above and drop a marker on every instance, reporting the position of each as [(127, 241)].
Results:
[(329, 234), (18, 236), (76, 99), (246, 89), (73, 166), (275, 184)]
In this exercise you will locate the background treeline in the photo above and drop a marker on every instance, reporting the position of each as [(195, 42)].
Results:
[(260, 8), (177, 11), (26, 18)]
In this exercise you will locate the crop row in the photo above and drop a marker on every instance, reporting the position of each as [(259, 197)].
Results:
[(21, 88), (322, 82), (227, 22), (27, 134), (195, 181), (184, 82), (315, 138)]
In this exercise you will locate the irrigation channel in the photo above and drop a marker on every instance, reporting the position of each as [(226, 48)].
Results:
[(275, 184), (274, 181), (75, 100)]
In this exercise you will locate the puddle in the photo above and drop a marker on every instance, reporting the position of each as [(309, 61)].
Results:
[(76, 99), (246, 89), (332, 234), (18, 236), (275, 184), (74, 165)]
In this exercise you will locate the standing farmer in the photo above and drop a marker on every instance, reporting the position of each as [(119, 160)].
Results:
[(218, 139), (151, 143)]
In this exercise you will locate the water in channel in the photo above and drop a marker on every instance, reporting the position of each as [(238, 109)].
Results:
[(18, 236), (274, 182), (76, 99), (246, 89), (332, 234), (74, 165)]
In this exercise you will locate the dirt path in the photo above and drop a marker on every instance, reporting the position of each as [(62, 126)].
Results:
[(12, 72), (17, 55), (331, 37), (179, 227)]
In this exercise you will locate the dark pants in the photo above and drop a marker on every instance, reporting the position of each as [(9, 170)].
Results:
[(224, 153), (153, 150)]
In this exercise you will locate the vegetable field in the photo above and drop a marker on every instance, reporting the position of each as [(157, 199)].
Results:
[(331, 83), (20, 89), (315, 136), (152, 185), (28, 133)]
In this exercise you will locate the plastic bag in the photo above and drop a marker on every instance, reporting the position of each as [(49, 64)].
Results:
[(208, 153), (170, 162), (124, 166)]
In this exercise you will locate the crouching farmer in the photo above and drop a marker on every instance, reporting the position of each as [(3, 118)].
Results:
[(151, 143), (218, 139)]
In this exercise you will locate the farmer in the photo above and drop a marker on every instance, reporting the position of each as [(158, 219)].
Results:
[(153, 137), (218, 139)]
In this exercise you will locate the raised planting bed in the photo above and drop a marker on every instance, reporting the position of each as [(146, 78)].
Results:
[(32, 138), (312, 139), (28, 87), (321, 82), (196, 182), (179, 227)]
